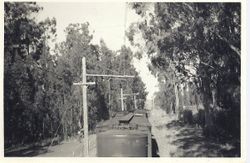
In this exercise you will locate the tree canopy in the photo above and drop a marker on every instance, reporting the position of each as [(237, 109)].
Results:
[(39, 97), (196, 43)]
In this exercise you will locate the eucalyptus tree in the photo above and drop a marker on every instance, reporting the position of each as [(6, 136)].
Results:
[(200, 43), (24, 47)]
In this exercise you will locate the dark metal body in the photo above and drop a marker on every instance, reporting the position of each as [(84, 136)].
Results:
[(125, 135), (117, 143)]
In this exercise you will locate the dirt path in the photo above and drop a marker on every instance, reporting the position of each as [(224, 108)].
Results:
[(159, 119), (176, 139), (70, 148)]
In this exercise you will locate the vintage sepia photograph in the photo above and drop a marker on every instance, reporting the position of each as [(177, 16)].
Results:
[(122, 79)]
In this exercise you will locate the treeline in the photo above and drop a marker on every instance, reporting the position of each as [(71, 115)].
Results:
[(195, 53), (39, 97)]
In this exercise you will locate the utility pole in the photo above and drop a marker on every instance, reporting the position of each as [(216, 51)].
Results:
[(135, 102), (109, 97), (134, 97), (122, 105), (122, 98), (84, 85)]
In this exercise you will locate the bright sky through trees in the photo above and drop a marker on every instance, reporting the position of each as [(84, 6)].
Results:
[(107, 21)]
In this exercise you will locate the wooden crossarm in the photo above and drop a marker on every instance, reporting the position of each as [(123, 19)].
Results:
[(81, 84)]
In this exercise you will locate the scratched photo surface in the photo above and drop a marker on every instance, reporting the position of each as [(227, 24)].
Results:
[(122, 79)]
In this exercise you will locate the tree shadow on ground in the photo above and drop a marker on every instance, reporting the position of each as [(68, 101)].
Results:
[(29, 152), (191, 142)]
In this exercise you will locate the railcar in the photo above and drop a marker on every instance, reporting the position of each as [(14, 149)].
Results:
[(125, 135)]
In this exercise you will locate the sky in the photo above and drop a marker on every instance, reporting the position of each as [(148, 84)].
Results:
[(108, 21)]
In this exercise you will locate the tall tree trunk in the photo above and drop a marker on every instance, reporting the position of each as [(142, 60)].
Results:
[(171, 108), (214, 94), (207, 101), (196, 102), (71, 122), (63, 129), (66, 130), (187, 95), (51, 128), (182, 97), (176, 99), (182, 102), (43, 129)]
